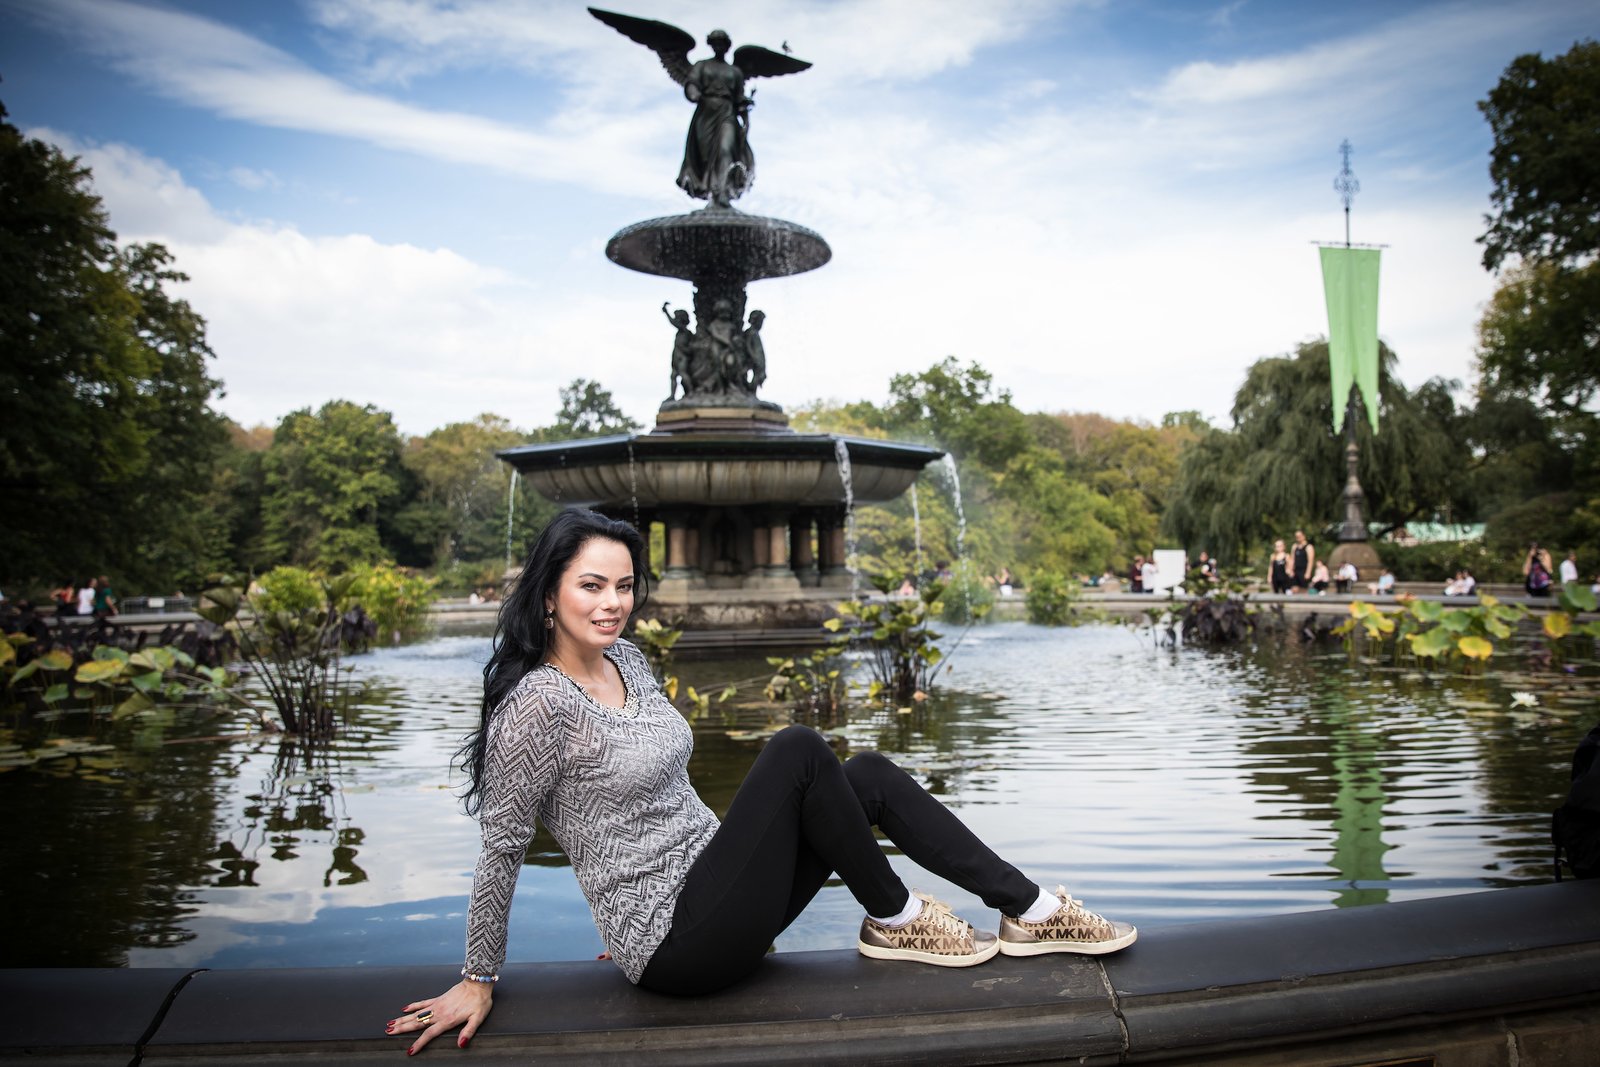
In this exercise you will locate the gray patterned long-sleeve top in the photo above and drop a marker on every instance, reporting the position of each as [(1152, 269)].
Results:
[(612, 786)]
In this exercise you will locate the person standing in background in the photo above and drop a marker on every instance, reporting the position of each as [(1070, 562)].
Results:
[(86, 598), (105, 601), (1305, 559), (1569, 568), (1536, 571), (1278, 568)]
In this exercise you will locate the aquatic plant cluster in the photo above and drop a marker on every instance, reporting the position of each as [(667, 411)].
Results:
[(1426, 630)]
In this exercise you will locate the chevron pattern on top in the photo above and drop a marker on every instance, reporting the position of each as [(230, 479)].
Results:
[(612, 788)]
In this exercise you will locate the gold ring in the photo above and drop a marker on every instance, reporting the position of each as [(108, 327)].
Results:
[(425, 1016)]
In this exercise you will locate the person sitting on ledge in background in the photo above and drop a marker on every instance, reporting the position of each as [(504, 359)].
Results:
[(1384, 586), (1347, 577), (1320, 577), (576, 734)]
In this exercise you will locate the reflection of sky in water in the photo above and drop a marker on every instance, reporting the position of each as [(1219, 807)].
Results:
[(1162, 786)]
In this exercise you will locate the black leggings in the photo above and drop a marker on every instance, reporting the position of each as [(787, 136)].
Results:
[(798, 817)]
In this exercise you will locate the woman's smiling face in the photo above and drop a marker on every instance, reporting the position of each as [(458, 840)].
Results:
[(593, 599)]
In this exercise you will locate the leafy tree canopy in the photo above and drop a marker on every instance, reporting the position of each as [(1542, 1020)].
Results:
[(588, 410), (1545, 163), (1540, 336), (463, 491), (1282, 467), (328, 477), (108, 439)]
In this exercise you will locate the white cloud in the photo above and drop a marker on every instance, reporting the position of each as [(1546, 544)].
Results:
[(1130, 250), (254, 180), (427, 334)]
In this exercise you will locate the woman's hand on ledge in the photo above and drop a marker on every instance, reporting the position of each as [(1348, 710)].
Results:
[(466, 1005)]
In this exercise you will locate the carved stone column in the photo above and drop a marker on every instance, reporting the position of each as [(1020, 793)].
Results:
[(677, 547), (835, 569), (801, 557), (761, 546)]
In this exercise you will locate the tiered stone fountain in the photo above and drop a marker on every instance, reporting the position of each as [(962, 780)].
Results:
[(754, 513)]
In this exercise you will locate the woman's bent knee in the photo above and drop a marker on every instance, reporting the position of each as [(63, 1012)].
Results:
[(800, 738)]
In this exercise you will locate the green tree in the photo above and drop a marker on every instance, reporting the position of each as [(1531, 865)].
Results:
[(958, 408), (1282, 467), (464, 489), (329, 476), (588, 410), (108, 443), (1541, 333), (1545, 163)]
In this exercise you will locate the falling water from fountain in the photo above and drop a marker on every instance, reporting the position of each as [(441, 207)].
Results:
[(949, 464), (633, 487), (842, 452), (916, 534), (511, 514)]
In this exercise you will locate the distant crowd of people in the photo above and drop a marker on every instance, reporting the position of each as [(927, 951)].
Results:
[(93, 597)]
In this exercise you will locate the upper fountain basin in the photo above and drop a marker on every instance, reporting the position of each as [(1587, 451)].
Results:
[(718, 242), (717, 469)]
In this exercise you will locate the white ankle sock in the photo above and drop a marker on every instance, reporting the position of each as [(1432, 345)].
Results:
[(1042, 908), (912, 909)]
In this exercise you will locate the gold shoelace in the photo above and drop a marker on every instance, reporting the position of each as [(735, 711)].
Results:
[(938, 915)]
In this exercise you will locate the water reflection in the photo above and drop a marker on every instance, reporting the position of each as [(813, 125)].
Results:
[(299, 803), (1164, 785)]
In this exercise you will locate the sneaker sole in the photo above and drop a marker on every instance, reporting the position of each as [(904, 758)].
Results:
[(1080, 948), (937, 959)]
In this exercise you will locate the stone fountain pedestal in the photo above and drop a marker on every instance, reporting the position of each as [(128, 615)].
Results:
[(754, 514)]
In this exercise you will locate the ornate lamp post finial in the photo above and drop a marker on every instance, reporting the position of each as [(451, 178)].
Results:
[(1345, 184)]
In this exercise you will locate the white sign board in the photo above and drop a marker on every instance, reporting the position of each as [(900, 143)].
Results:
[(1169, 569)]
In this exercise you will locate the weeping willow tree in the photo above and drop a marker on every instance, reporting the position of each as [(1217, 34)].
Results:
[(1281, 467)]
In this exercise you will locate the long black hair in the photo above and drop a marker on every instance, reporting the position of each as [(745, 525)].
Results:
[(520, 637)]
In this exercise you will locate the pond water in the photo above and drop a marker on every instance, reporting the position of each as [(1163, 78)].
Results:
[(1161, 785)]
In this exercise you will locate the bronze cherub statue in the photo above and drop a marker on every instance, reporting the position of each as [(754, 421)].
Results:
[(717, 162)]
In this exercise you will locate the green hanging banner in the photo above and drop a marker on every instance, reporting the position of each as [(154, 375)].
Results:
[(1350, 282)]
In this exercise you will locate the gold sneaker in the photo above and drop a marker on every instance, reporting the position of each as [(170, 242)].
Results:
[(1073, 928), (936, 936)]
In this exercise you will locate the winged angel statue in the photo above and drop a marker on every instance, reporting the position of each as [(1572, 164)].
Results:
[(717, 162)]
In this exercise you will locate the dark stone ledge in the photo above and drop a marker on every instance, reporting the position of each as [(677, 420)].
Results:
[(1486, 978)]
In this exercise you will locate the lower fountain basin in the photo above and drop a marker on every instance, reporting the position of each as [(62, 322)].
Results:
[(660, 470)]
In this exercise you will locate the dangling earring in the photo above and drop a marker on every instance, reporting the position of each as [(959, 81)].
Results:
[(550, 619)]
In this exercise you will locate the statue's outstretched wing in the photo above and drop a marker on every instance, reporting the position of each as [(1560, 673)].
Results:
[(757, 62), (668, 42)]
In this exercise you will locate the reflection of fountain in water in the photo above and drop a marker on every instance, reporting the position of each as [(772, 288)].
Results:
[(949, 464), (916, 535), (511, 514), (842, 452)]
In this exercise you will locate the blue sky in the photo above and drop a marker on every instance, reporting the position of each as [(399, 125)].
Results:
[(1109, 205)]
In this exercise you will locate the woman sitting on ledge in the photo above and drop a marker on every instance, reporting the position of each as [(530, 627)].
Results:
[(576, 734)]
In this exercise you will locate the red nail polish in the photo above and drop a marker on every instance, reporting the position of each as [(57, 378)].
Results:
[(412, 1051), (464, 1042)]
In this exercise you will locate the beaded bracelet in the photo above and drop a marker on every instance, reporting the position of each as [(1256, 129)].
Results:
[(487, 979)]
